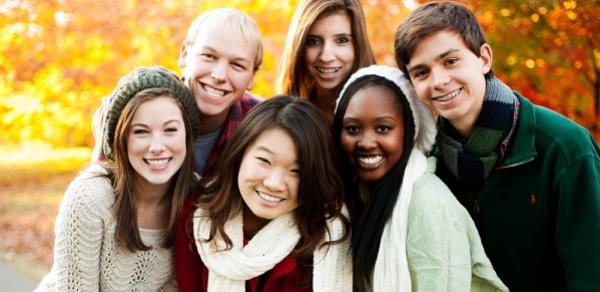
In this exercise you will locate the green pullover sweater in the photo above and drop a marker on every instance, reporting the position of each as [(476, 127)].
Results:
[(538, 213)]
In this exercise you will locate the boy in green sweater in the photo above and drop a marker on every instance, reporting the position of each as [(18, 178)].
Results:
[(529, 176)]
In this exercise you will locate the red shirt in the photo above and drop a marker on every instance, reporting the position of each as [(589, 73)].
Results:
[(192, 275)]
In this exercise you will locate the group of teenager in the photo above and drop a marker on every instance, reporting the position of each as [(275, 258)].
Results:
[(430, 176)]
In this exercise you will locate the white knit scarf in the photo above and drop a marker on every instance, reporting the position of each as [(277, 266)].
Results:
[(391, 267), (230, 269)]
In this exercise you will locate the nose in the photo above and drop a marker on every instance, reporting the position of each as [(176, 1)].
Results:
[(218, 72), (157, 145), (275, 180), (367, 141), (327, 52), (440, 78)]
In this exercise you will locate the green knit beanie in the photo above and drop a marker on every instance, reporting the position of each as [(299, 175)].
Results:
[(136, 81)]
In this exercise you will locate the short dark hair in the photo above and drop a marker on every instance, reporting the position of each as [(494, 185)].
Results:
[(432, 17)]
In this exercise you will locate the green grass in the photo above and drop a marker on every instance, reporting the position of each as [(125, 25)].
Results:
[(37, 176), (39, 163)]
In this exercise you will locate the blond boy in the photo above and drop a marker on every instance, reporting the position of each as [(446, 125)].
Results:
[(218, 59)]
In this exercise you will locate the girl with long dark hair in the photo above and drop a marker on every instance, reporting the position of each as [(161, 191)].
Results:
[(270, 218), (410, 233)]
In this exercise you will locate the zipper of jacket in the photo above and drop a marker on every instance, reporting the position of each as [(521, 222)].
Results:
[(516, 164), (478, 199)]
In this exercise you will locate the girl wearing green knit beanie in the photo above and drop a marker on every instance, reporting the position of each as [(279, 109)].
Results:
[(115, 226)]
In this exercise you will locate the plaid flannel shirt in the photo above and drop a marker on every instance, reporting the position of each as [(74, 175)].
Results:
[(237, 112)]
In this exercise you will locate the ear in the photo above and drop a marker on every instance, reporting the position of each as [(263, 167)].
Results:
[(251, 82), (485, 55), (182, 55)]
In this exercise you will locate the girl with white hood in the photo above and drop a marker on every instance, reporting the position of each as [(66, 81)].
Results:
[(409, 232)]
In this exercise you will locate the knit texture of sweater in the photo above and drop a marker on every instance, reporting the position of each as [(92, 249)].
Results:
[(86, 254)]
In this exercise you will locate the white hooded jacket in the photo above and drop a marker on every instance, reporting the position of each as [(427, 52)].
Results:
[(430, 242)]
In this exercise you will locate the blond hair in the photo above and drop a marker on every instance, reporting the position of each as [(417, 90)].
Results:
[(227, 18)]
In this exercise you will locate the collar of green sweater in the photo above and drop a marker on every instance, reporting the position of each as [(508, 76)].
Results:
[(522, 149)]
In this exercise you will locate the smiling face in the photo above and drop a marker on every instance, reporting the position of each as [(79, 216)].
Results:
[(373, 132), (156, 141), (218, 67), (329, 51), (268, 177), (449, 78)]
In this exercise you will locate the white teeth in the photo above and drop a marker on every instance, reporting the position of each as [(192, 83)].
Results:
[(269, 198), (448, 96), (370, 159), (158, 162), (328, 70), (214, 91)]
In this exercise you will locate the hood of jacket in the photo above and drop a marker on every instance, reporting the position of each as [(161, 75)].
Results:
[(425, 126)]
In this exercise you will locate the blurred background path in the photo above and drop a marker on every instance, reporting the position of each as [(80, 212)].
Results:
[(13, 281)]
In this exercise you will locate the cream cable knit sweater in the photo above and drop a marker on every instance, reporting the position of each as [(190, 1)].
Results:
[(86, 256)]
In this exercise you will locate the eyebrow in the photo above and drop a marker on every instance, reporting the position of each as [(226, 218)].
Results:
[(165, 123), (384, 118), (263, 148), (446, 53), (172, 121), (335, 35), (212, 50), (439, 57), (387, 118)]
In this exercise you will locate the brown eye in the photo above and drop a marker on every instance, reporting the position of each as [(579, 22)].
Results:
[(342, 40), (312, 41), (382, 129), (419, 74), (351, 130), (139, 131), (452, 61)]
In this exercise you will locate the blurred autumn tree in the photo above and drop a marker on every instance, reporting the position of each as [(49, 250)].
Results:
[(550, 51), (59, 57)]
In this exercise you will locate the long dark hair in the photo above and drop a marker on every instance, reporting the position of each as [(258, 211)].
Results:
[(122, 175), (370, 217), (320, 193)]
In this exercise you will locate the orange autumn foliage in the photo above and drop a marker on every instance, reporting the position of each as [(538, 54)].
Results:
[(58, 58)]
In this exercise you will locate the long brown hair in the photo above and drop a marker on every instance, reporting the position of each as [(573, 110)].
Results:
[(320, 193), (293, 77), (123, 176)]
